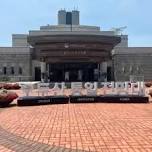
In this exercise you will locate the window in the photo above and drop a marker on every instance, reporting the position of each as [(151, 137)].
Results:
[(20, 71), (123, 69), (12, 70), (131, 69), (4, 70)]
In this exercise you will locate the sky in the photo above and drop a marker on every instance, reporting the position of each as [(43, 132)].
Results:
[(20, 16)]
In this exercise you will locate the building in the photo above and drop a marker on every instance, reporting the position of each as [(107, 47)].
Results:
[(73, 52)]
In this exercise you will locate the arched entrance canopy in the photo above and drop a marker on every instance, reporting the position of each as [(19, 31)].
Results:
[(66, 47), (71, 56)]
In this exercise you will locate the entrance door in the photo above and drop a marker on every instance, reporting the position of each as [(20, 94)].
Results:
[(72, 72), (37, 74), (57, 76), (73, 75), (109, 73)]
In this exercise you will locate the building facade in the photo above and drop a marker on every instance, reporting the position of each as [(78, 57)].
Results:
[(73, 52)]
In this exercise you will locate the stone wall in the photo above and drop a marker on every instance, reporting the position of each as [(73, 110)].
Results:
[(19, 40), (16, 57), (135, 61)]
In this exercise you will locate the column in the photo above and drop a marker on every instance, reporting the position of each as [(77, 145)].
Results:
[(66, 76), (99, 72), (100, 77), (43, 71), (48, 72), (104, 71)]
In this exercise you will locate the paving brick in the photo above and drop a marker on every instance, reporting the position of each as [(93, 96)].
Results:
[(77, 127)]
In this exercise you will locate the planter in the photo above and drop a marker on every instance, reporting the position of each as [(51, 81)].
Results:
[(6, 97), (148, 84), (150, 92), (9, 86), (5, 103)]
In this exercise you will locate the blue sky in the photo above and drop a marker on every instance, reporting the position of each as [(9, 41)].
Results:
[(20, 16)]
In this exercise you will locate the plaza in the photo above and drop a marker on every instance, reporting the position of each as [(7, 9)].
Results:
[(76, 127)]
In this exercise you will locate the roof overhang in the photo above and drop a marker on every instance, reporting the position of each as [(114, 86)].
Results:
[(73, 38), (72, 46)]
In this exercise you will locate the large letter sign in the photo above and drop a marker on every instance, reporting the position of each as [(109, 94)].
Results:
[(108, 88), (91, 88)]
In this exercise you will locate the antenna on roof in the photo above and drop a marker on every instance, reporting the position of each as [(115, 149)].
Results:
[(118, 31)]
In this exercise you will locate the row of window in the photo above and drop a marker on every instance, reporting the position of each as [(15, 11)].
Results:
[(131, 69), (12, 70)]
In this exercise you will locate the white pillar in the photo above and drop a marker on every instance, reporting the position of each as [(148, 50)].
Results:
[(104, 70), (66, 76), (48, 72), (43, 71), (99, 72)]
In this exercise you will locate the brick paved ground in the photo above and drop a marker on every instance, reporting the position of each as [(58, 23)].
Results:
[(91, 127), (3, 149), (9, 142)]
